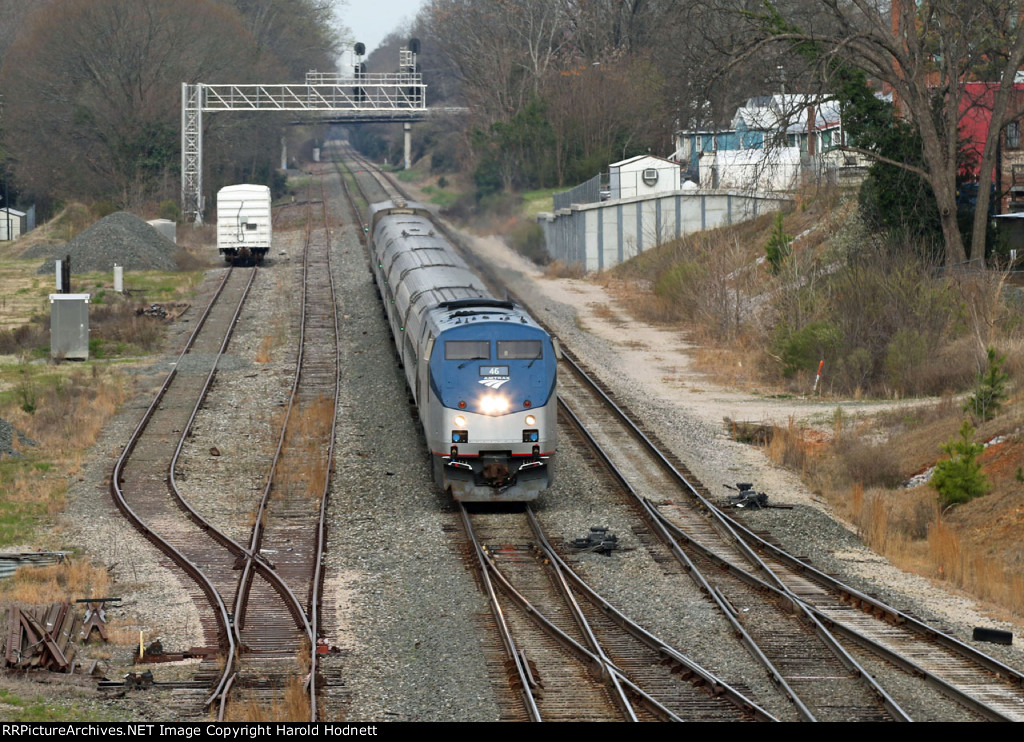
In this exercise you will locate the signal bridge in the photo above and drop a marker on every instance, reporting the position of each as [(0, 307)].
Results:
[(327, 98)]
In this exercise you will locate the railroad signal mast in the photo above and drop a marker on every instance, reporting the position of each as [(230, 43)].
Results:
[(325, 98)]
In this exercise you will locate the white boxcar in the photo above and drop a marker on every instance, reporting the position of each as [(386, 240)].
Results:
[(243, 222)]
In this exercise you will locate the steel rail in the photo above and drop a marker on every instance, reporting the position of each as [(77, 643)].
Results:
[(265, 568), (605, 668), (730, 536), (893, 615), (206, 585), (706, 677), (774, 674), (310, 622), (743, 537), (526, 682), (857, 638), (321, 541), (595, 645)]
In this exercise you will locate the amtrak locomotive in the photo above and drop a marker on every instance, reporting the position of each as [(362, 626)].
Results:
[(481, 371)]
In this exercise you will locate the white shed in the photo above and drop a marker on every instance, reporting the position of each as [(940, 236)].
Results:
[(12, 224), (643, 175)]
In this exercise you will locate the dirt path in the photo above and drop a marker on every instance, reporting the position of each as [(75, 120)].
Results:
[(660, 360)]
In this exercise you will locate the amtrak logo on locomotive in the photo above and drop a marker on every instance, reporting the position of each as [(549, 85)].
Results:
[(494, 376), (493, 383)]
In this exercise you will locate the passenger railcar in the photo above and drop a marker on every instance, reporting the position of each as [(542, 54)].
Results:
[(481, 371), (244, 222)]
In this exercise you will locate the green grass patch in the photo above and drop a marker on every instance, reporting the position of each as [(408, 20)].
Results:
[(535, 202), (22, 509), (409, 176), (42, 710), (299, 183), (158, 286), (444, 199)]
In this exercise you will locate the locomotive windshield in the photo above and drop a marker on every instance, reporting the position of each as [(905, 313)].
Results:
[(524, 349), (467, 350)]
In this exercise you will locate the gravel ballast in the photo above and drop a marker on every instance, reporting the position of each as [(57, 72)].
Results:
[(402, 605)]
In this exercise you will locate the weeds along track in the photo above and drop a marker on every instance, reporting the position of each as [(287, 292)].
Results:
[(795, 614), (289, 531), (141, 482), (260, 599), (571, 655)]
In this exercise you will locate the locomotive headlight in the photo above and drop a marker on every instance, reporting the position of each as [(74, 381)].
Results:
[(531, 420), (493, 404), (460, 421)]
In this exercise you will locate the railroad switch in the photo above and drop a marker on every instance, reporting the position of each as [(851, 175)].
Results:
[(598, 540)]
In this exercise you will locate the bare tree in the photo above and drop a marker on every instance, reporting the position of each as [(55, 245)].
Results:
[(924, 52), (599, 113), (14, 14), (297, 35), (93, 90), (500, 49)]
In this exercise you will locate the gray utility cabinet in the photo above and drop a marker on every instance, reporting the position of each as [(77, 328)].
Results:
[(69, 326)]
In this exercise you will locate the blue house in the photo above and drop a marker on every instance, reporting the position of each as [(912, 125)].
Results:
[(780, 134)]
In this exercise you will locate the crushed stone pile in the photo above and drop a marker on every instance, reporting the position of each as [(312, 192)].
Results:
[(122, 239)]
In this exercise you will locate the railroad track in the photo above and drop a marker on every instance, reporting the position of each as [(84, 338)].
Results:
[(289, 523), (140, 479), (796, 651), (262, 595), (826, 622), (690, 523), (576, 658)]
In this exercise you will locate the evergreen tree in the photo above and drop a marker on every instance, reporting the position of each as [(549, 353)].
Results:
[(990, 393), (778, 247), (959, 478)]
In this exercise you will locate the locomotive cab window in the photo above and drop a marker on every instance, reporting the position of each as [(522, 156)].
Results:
[(467, 350), (523, 349)]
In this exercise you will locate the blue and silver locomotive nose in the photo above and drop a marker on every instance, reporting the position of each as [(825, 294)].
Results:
[(495, 381), (480, 370)]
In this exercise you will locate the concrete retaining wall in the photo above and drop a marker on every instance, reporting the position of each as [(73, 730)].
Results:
[(602, 235)]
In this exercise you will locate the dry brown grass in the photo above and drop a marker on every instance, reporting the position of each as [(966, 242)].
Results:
[(63, 410), (263, 354), (905, 525), (788, 448), (123, 636), (603, 311), (728, 365), (293, 707), (559, 269), (70, 408), (308, 439), (73, 579), (976, 573), (974, 547)]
